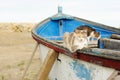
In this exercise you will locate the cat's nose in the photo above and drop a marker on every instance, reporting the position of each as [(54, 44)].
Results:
[(81, 39)]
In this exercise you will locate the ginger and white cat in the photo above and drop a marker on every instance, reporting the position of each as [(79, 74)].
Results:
[(91, 32), (80, 37), (75, 40)]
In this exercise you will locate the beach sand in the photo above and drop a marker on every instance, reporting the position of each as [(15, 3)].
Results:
[(15, 51)]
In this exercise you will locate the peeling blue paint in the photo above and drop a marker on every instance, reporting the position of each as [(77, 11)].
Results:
[(101, 44), (96, 52), (81, 71)]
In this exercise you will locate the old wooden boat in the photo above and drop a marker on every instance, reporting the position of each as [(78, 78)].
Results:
[(93, 63)]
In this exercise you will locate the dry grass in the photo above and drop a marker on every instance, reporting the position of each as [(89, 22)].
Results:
[(15, 51), (17, 27)]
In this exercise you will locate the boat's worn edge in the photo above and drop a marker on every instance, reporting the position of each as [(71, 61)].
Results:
[(50, 44), (100, 53)]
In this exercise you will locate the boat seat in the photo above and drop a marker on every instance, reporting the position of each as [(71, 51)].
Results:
[(115, 36), (106, 43)]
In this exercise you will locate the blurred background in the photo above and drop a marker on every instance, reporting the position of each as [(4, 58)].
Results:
[(103, 11)]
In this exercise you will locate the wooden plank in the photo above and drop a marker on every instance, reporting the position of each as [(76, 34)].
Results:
[(113, 75), (107, 53), (47, 64), (28, 65), (106, 43), (115, 36)]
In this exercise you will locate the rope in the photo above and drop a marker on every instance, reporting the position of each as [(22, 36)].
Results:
[(28, 65)]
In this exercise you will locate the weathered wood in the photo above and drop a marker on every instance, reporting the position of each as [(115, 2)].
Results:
[(106, 53), (106, 43), (115, 36), (117, 78), (47, 64), (103, 57), (114, 76), (28, 65)]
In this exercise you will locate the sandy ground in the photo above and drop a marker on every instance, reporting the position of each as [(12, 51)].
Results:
[(15, 51)]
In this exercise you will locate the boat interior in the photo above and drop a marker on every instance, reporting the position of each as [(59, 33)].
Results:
[(52, 30)]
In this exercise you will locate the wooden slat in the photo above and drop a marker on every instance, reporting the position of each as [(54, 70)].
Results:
[(113, 75), (112, 44), (47, 64), (115, 36), (107, 53)]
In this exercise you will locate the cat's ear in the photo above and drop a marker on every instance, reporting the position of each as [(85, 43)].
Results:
[(77, 31)]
